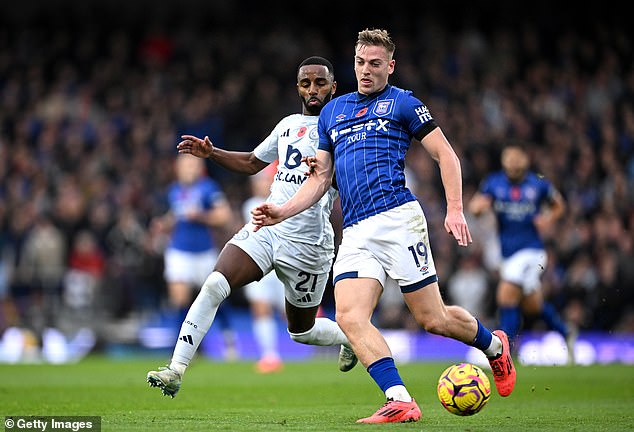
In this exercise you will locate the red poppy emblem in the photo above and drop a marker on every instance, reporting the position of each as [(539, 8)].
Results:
[(361, 112), (516, 193), (301, 131)]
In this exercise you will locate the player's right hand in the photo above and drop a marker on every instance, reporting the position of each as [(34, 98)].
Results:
[(266, 214), (195, 146), (456, 225)]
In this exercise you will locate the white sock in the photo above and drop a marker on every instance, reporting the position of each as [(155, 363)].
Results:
[(265, 331), (398, 393), (495, 348), (199, 318), (325, 332)]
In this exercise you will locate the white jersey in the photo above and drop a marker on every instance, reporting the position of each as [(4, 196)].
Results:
[(293, 138)]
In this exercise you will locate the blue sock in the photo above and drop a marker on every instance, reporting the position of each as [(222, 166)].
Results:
[(510, 320), (384, 373), (553, 320), (483, 337)]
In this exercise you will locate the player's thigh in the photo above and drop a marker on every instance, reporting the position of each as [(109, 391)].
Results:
[(356, 298), (246, 257)]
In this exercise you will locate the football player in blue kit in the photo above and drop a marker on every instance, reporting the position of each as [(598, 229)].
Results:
[(363, 139), (299, 251), (197, 204), (524, 204)]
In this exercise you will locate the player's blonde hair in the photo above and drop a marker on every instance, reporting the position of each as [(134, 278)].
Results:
[(376, 37)]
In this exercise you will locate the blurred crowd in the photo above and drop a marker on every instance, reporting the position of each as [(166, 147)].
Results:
[(91, 111)]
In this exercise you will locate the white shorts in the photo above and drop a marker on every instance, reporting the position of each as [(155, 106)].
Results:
[(524, 269), (189, 267), (391, 247), (301, 267), (268, 290)]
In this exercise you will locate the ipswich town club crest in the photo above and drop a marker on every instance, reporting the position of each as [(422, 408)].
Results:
[(383, 107)]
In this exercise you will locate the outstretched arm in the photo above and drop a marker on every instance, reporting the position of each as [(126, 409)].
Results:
[(315, 186), (241, 162), (440, 149)]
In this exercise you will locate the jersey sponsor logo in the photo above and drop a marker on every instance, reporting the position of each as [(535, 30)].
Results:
[(383, 107), (515, 210), (289, 177), (301, 132), (293, 156), (379, 125), (361, 112), (423, 114), (359, 136)]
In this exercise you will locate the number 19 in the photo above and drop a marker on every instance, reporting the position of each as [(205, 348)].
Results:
[(419, 250)]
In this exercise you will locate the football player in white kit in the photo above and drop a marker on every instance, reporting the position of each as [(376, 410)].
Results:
[(300, 250)]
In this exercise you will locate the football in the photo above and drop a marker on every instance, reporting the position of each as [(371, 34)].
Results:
[(464, 389)]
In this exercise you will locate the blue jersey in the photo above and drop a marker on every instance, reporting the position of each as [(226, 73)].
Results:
[(199, 196), (368, 136), (515, 206)]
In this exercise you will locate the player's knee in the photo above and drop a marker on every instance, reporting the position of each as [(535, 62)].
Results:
[(216, 286), (347, 321), (434, 326)]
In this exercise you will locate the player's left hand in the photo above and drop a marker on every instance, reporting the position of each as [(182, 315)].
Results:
[(456, 225), (195, 146)]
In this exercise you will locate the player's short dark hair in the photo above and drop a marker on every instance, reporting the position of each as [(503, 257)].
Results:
[(316, 60)]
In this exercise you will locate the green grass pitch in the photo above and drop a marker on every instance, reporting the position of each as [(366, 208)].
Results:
[(309, 396)]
